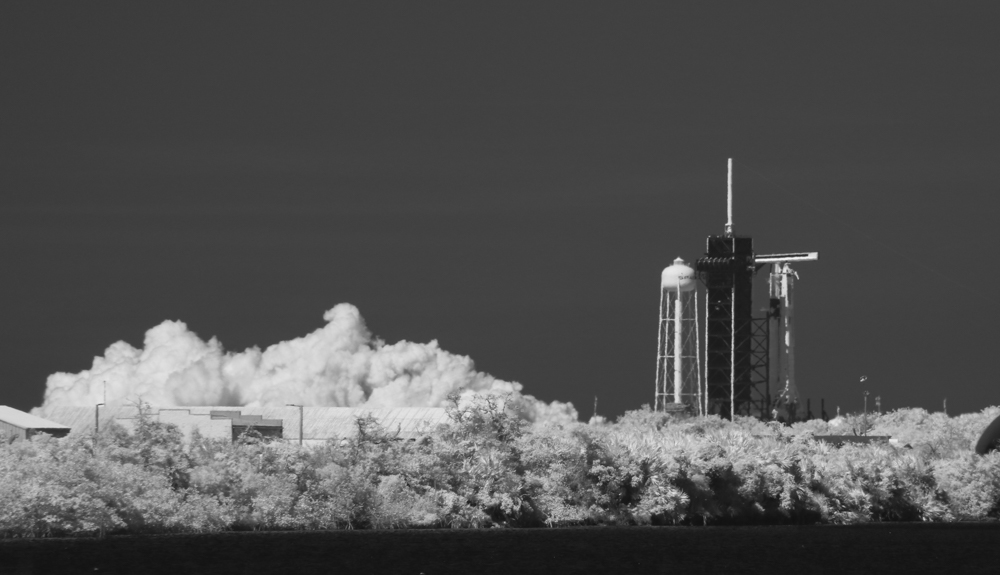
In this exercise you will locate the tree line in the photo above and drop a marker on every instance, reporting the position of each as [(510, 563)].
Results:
[(488, 468)]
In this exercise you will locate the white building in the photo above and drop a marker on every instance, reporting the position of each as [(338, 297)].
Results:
[(18, 425), (317, 424)]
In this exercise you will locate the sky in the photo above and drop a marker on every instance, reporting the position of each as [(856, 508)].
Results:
[(508, 179)]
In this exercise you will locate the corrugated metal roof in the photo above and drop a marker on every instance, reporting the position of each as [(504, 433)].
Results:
[(320, 423), (18, 418)]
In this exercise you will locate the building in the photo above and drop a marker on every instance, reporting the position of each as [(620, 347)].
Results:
[(18, 425), (316, 424)]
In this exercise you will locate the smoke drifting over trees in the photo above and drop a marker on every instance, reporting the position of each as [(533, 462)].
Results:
[(340, 365)]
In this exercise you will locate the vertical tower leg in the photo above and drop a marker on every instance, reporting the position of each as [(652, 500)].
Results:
[(697, 354), (678, 347), (661, 356)]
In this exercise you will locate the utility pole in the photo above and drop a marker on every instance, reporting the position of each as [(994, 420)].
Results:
[(866, 411), (97, 424), (300, 420)]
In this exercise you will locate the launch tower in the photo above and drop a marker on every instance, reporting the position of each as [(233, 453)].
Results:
[(749, 361), (727, 270)]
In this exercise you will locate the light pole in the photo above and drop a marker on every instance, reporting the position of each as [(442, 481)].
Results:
[(300, 419), (97, 424), (863, 379), (866, 412)]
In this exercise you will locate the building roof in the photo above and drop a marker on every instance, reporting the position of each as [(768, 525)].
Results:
[(18, 418)]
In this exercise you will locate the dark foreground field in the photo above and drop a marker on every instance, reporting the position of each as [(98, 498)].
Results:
[(875, 548)]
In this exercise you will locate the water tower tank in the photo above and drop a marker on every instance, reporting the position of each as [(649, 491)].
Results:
[(679, 276)]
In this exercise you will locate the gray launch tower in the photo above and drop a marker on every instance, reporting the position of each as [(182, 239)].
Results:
[(749, 361), (734, 372)]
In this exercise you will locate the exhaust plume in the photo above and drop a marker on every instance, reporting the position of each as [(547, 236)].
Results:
[(338, 365)]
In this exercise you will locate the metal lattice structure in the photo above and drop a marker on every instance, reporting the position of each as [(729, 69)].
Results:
[(727, 271), (760, 402)]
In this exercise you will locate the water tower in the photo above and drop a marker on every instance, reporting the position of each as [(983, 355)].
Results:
[(678, 361)]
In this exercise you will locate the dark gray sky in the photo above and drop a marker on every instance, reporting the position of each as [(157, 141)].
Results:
[(507, 179)]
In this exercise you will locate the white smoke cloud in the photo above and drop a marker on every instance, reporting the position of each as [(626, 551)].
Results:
[(339, 365)]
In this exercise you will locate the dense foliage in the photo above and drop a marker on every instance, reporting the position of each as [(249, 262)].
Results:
[(487, 468)]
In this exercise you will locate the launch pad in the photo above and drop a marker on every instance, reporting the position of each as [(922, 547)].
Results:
[(748, 366)]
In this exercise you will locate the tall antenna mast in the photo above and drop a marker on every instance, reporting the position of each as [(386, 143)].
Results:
[(729, 211)]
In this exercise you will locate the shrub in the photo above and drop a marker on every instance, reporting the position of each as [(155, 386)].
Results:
[(971, 486), (487, 468)]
